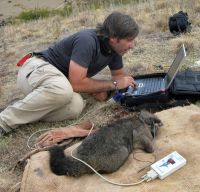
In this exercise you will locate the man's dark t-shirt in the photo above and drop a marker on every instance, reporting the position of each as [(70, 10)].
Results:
[(83, 48)]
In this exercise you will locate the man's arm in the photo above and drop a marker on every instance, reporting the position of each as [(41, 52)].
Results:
[(82, 84)]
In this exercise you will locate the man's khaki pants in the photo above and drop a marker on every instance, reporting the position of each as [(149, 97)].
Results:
[(49, 96)]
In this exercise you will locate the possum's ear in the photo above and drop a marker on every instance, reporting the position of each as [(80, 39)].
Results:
[(147, 144), (149, 118)]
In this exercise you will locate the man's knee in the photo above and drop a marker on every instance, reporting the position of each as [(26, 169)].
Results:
[(69, 111)]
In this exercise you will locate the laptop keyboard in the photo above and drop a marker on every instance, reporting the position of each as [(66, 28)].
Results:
[(151, 85)]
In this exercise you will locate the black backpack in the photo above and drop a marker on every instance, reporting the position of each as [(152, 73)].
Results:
[(178, 23)]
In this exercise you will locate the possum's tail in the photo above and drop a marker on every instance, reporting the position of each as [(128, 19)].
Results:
[(65, 165)]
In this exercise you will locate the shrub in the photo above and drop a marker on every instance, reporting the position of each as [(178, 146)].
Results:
[(34, 14)]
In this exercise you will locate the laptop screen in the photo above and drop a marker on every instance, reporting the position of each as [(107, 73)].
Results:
[(175, 66)]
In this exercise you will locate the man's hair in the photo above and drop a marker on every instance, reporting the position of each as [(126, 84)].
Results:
[(118, 25)]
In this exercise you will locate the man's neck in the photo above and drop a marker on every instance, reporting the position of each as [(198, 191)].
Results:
[(106, 50)]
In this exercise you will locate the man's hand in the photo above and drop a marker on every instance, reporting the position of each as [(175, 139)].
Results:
[(123, 82), (102, 96)]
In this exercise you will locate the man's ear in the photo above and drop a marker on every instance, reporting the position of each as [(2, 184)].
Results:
[(112, 40)]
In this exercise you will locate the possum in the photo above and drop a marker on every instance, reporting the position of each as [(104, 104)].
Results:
[(109, 147)]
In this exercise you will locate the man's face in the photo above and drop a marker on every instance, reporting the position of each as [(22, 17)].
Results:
[(122, 46)]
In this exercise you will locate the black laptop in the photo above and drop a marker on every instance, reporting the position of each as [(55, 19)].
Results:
[(149, 85)]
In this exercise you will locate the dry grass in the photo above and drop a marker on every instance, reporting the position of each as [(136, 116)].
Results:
[(155, 45), (189, 42)]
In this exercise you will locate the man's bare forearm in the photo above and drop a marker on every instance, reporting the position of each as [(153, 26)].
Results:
[(89, 85)]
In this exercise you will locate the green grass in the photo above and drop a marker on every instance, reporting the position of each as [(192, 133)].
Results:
[(34, 14), (37, 13)]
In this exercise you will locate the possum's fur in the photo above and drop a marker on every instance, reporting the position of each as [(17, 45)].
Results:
[(108, 148)]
